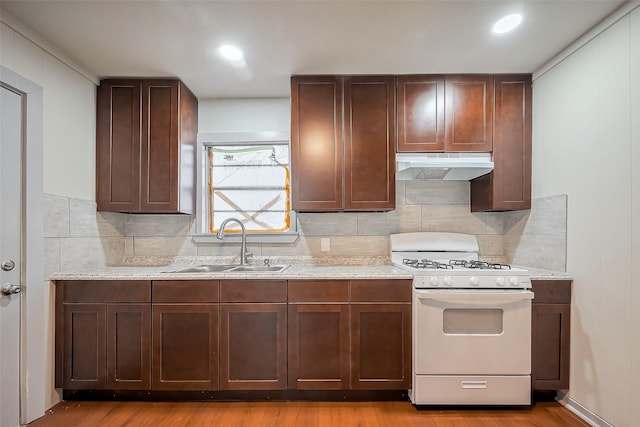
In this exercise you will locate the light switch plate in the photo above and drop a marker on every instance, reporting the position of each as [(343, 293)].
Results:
[(325, 244)]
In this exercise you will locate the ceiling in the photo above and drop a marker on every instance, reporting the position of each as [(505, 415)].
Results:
[(179, 38)]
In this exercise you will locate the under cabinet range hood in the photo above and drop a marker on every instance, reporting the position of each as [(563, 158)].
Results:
[(442, 166)]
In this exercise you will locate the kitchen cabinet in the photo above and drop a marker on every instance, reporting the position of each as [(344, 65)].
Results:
[(550, 334), (233, 335), (318, 334), (508, 186), (468, 112), (420, 100), (185, 335), (253, 335), (449, 113), (363, 345), (106, 335), (381, 334), (343, 143), (145, 146)]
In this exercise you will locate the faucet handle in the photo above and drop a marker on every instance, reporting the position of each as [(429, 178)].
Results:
[(247, 254)]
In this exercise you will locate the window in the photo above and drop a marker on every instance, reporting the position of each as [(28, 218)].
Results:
[(245, 176)]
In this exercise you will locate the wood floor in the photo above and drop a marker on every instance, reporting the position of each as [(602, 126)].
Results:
[(306, 414)]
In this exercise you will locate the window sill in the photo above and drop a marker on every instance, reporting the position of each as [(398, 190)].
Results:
[(272, 238)]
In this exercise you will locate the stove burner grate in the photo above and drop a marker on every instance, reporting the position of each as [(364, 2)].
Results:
[(482, 265), (426, 263)]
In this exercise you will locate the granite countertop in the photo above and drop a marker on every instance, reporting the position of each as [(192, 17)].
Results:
[(154, 268), (292, 272), (540, 274)]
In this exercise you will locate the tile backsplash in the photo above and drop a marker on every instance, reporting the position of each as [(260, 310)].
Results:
[(538, 237), (78, 237)]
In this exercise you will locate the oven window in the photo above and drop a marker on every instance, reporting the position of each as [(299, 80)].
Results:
[(472, 321)]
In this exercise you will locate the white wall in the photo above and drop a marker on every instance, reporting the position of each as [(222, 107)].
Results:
[(244, 115), (585, 145), (634, 301), (66, 151), (69, 112)]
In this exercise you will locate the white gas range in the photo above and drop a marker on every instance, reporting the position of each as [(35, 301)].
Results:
[(471, 322)]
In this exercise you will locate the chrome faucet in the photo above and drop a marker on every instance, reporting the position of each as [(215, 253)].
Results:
[(243, 247)]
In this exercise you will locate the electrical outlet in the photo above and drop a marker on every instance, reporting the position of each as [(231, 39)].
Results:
[(325, 244)]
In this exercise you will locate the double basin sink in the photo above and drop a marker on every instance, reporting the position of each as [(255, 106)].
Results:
[(228, 268)]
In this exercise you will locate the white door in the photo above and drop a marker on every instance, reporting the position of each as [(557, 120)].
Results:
[(478, 332), (10, 254)]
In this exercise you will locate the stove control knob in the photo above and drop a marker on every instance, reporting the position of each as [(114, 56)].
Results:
[(513, 281), (500, 281), (448, 281), (434, 281), (474, 281)]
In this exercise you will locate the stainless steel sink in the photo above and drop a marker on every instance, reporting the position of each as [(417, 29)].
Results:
[(260, 268), (229, 268), (211, 268)]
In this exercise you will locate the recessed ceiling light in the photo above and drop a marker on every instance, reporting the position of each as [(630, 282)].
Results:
[(230, 53), (507, 23)]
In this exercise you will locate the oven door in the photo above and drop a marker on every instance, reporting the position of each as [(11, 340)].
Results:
[(472, 332)]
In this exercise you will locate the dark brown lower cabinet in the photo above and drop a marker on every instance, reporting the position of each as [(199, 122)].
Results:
[(236, 335), (253, 346), (185, 346), (128, 344), (381, 334), (381, 346), (318, 341), (550, 334), (185, 334), (85, 352), (106, 335)]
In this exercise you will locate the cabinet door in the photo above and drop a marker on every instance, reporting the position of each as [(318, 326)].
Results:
[(84, 343), (550, 328), (253, 346), (159, 148), (316, 143), (118, 145), (318, 346), (420, 101), (369, 143), (185, 347), (381, 346), (128, 346), (508, 186), (468, 112)]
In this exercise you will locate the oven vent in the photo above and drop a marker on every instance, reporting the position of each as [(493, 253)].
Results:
[(442, 166)]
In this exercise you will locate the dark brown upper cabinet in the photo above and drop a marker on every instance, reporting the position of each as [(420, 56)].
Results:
[(145, 146), (343, 143), (445, 113), (420, 113), (468, 112), (508, 186)]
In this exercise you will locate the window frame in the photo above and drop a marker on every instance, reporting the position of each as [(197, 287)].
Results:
[(240, 139)]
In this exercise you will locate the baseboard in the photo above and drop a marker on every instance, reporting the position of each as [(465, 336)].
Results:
[(581, 411)]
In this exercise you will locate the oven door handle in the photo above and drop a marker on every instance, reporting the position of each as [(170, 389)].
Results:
[(475, 297)]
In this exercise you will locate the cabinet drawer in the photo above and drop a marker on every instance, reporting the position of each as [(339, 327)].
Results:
[(318, 291), (253, 291), (551, 291), (381, 291), (182, 291), (105, 290)]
